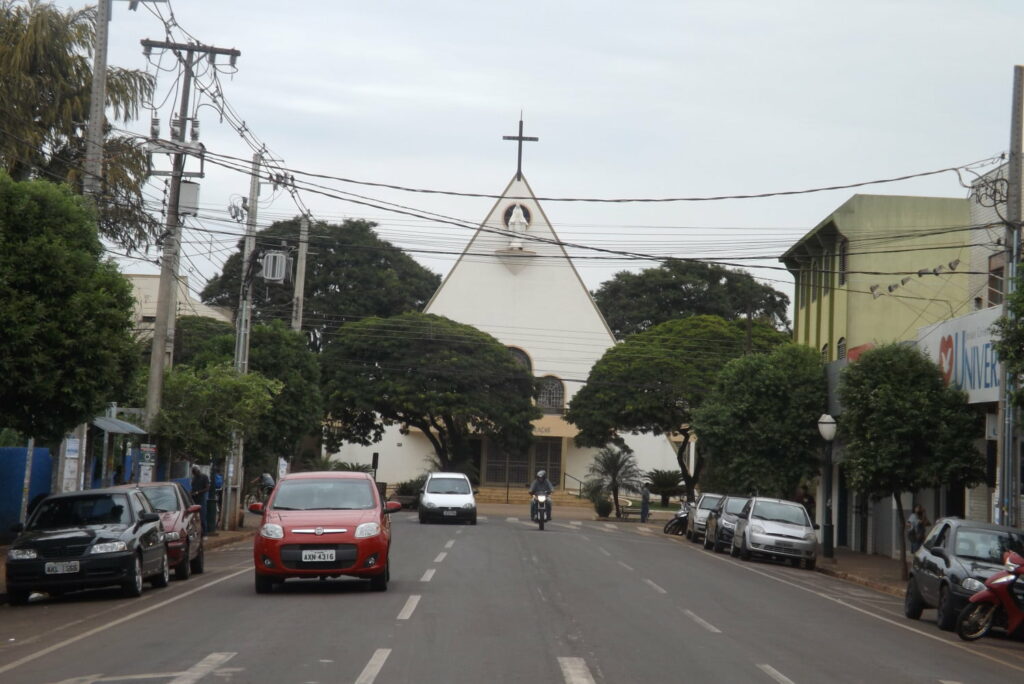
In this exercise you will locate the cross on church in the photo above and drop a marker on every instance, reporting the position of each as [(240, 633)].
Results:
[(521, 139)]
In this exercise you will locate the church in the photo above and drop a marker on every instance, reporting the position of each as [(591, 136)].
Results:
[(515, 281)]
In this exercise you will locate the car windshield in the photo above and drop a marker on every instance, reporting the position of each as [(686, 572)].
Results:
[(709, 502), (987, 545), (77, 511), (447, 485), (162, 498), (773, 511), (325, 494), (734, 506)]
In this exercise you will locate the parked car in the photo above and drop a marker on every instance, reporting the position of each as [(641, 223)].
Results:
[(775, 528), (954, 561), (721, 522), (322, 525), (81, 540), (447, 496), (697, 516), (183, 529)]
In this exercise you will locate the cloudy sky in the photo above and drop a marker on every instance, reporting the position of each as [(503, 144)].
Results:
[(644, 99)]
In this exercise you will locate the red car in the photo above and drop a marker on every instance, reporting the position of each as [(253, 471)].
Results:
[(183, 528), (320, 525)]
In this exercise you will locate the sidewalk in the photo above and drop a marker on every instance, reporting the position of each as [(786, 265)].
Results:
[(877, 572)]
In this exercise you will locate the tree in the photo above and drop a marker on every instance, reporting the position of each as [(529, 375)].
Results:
[(66, 346), (759, 424), (665, 483), (448, 380), (652, 382), (616, 470), (200, 341), (46, 78), (903, 429), (355, 275), (202, 407), (635, 302), (1009, 342)]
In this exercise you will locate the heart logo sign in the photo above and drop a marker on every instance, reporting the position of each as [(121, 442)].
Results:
[(946, 357)]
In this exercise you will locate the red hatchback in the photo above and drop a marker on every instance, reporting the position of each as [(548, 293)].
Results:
[(183, 530), (320, 525)]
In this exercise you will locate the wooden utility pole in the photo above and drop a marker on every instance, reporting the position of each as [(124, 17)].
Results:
[(300, 274)]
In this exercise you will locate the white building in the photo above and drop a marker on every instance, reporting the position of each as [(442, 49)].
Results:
[(145, 288)]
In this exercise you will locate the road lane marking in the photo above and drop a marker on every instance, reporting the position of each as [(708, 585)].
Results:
[(654, 586), (410, 605), (604, 551), (428, 575), (775, 674), (611, 526), (372, 669), (702, 622), (577, 523), (628, 567), (203, 668), (113, 623), (440, 556), (575, 671), (450, 543), (511, 519), (568, 527), (585, 538), (482, 518)]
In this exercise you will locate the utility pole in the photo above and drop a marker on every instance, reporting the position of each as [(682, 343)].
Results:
[(163, 332), (300, 273), (92, 182)]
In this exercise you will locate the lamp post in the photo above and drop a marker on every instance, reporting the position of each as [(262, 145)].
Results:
[(827, 428)]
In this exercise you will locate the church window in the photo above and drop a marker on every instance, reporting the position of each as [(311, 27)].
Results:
[(841, 348), (521, 358), (824, 354), (551, 397), (843, 249)]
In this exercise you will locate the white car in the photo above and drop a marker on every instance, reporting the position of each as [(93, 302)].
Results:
[(447, 496), (776, 528)]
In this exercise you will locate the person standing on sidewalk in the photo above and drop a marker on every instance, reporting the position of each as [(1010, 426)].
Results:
[(645, 503), (200, 494), (917, 526)]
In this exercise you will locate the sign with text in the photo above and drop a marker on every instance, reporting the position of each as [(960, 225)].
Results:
[(963, 349)]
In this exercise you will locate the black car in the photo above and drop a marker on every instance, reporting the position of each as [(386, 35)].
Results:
[(721, 522), (80, 540), (953, 563)]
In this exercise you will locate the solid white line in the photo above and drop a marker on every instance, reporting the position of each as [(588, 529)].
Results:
[(577, 523), (611, 526), (575, 671), (450, 543), (440, 556), (775, 674), (702, 622), (410, 605), (948, 681), (511, 519), (604, 551), (428, 575), (202, 668), (372, 669), (655, 587), (568, 527), (113, 623), (628, 567), (482, 518)]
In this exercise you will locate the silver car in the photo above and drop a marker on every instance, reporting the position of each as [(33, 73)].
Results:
[(775, 528)]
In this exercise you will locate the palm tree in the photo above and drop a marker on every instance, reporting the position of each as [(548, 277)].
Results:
[(319, 463), (665, 483), (616, 469)]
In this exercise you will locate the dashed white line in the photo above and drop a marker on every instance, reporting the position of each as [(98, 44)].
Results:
[(611, 526), (428, 575), (449, 544), (655, 587), (628, 567), (604, 551), (702, 622), (575, 671), (775, 674), (482, 518), (372, 669), (577, 523), (410, 605), (511, 519), (202, 668), (440, 556)]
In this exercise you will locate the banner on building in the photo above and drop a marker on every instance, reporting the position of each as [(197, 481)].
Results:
[(963, 349)]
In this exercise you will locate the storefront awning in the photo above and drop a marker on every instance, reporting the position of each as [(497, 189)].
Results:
[(121, 427)]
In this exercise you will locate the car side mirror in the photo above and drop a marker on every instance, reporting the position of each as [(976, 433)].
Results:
[(17, 528), (148, 517), (475, 492), (941, 553), (817, 526), (195, 508), (392, 507), (256, 507)]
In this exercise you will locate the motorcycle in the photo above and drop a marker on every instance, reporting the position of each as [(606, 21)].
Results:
[(677, 524), (995, 604), (543, 509)]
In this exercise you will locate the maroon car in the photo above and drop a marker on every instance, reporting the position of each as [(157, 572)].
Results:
[(183, 531)]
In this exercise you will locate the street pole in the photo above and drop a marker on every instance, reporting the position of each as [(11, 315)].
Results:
[(92, 182), (829, 550), (300, 274), (23, 511)]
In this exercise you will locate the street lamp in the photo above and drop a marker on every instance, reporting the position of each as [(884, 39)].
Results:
[(827, 428)]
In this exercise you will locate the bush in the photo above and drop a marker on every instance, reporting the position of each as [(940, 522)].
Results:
[(410, 487), (603, 507)]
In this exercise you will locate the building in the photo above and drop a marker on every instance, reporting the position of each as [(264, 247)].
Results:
[(145, 288)]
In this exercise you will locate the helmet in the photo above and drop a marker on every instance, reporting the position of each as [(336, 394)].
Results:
[(542, 474)]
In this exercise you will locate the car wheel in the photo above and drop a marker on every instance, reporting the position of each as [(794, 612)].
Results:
[(945, 618), (199, 562), (718, 546), (913, 604), (264, 584), (795, 562), (744, 551), (810, 563), (707, 540), (423, 518), (132, 588), (18, 597), (162, 578), (472, 521), (183, 570), (380, 582), (689, 533), (734, 550)]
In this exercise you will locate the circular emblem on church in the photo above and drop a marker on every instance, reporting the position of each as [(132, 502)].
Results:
[(511, 208)]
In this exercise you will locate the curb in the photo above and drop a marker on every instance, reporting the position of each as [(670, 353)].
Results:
[(883, 587)]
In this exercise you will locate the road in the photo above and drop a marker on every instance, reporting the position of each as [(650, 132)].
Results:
[(581, 602)]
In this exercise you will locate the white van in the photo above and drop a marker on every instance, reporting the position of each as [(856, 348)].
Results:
[(447, 496)]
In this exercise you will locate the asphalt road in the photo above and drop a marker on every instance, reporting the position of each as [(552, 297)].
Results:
[(578, 603)]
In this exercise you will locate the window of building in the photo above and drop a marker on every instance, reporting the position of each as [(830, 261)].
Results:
[(521, 358), (815, 282), (995, 286), (841, 348), (824, 354), (843, 248), (551, 396)]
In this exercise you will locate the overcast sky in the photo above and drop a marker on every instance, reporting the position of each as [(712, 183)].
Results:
[(641, 99)]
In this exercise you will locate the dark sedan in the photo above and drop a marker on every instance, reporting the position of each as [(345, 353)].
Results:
[(80, 540), (183, 529), (953, 563), (721, 522)]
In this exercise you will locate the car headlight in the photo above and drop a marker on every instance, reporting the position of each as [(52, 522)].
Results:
[(469, 506), (172, 536), (757, 529), (429, 504), (728, 525), (972, 585), (22, 554), (370, 529), (272, 531), (810, 536), (109, 547)]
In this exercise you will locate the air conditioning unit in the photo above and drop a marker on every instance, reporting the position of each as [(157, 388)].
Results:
[(275, 266)]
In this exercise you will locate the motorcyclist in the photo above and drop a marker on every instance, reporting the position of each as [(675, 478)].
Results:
[(540, 486)]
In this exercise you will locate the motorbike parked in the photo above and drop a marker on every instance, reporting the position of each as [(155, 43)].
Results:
[(543, 508), (995, 604), (677, 524)]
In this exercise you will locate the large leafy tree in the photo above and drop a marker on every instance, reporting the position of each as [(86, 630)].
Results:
[(634, 302), (66, 346), (1009, 343), (448, 380), (45, 78), (354, 275), (903, 429), (652, 382), (759, 424)]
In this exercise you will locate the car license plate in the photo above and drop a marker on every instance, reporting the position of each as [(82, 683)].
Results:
[(61, 568), (318, 556), (452, 513)]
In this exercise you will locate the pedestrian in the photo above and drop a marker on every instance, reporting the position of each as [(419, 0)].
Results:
[(808, 502), (201, 494), (266, 485), (917, 526), (213, 500), (645, 503)]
